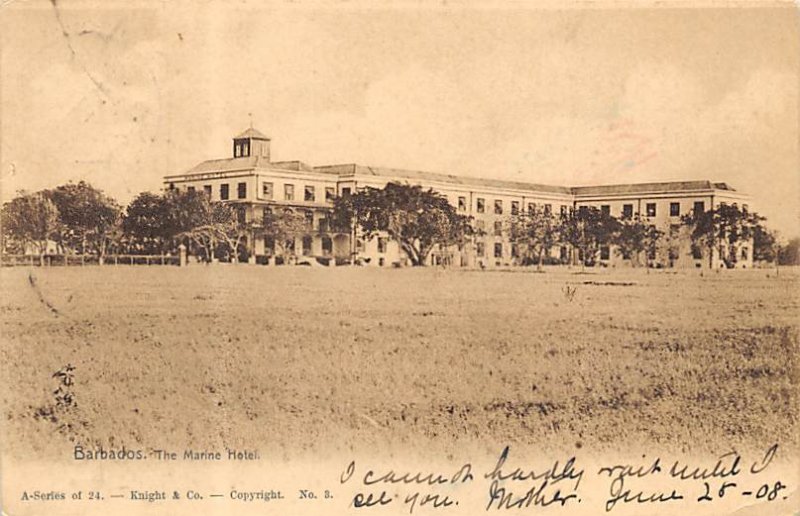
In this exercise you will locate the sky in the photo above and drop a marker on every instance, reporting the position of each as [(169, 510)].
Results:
[(121, 94)]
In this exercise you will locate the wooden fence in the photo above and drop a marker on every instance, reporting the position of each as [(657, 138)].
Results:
[(66, 260)]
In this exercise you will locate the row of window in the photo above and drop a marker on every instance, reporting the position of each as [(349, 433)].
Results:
[(307, 241), (309, 195), (480, 206), (267, 192), (326, 241), (651, 209), (605, 251), (309, 192)]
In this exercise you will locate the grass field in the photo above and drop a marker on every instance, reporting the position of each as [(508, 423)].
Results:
[(319, 360)]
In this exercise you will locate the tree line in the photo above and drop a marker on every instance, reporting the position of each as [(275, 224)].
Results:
[(77, 218), (420, 220)]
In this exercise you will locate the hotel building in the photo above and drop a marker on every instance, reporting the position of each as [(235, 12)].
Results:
[(256, 184)]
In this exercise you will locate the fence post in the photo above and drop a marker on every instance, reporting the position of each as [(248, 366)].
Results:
[(182, 252)]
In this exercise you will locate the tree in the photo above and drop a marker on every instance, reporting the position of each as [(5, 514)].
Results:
[(90, 219), (765, 245), (415, 218), (635, 236), (146, 221), (789, 254), (284, 227), (158, 223), (230, 227), (537, 229), (724, 227), (31, 220), (588, 229)]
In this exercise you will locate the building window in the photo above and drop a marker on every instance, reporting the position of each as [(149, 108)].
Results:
[(267, 190), (514, 251), (514, 207), (241, 214), (605, 252), (309, 215), (223, 192), (498, 250), (307, 240), (382, 245), (480, 249), (480, 226), (498, 228), (627, 211), (699, 207), (207, 190), (330, 194), (605, 209), (480, 206), (346, 192), (651, 209), (269, 245), (498, 207), (562, 253), (327, 245), (245, 149), (308, 194), (241, 190), (462, 204), (266, 215), (190, 189), (674, 209), (548, 209), (564, 210), (288, 192), (531, 208), (323, 224), (237, 150)]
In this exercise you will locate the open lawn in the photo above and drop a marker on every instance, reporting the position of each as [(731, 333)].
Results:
[(314, 360)]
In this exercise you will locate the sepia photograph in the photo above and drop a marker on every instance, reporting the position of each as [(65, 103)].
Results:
[(437, 258)]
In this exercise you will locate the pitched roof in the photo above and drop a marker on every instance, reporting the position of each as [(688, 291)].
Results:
[(634, 188), (352, 169), (229, 164), (253, 133), (247, 163), (292, 165)]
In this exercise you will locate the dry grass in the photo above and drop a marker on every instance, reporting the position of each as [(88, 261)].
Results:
[(322, 360)]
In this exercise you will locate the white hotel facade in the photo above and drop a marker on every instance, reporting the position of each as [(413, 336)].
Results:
[(252, 181)]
